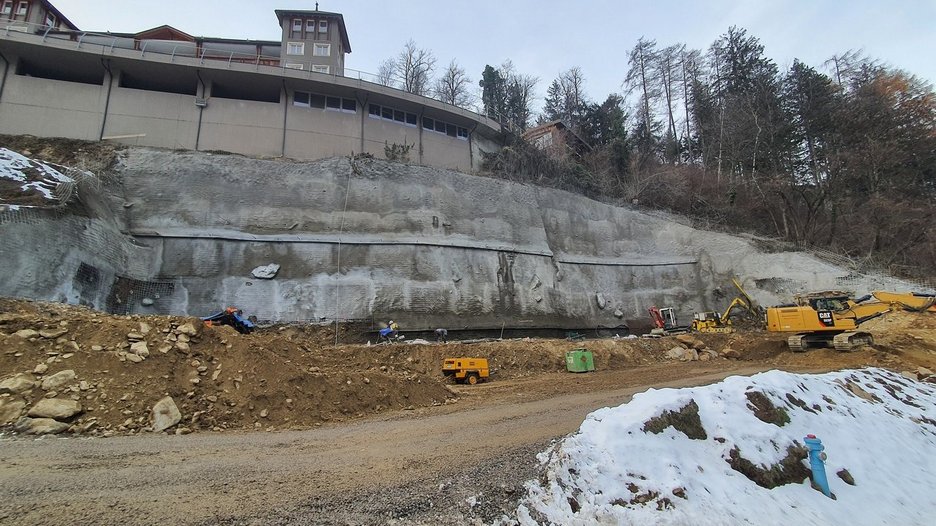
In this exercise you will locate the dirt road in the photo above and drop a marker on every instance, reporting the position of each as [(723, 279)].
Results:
[(450, 464)]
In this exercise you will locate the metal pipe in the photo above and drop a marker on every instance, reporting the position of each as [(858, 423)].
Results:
[(201, 109), (110, 84), (285, 114)]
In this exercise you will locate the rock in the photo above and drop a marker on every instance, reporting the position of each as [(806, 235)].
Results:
[(165, 414), (909, 375), (859, 392), (140, 349), (40, 426), (923, 372), (10, 410), (537, 298), (602, 302), (264, 413), (691, 341), (676, 353), (183, 431), (56, 408), (704, 357), (133, 357), (183, 338), (187, 329), (182, 346), (26, 334), (146, 302), (730, 353), (17, 384), (97, 348), (145, 328), (265, 271), (618, 313), (165, 348), (134, 336), (83, 385), (52, 334), (41, 368)]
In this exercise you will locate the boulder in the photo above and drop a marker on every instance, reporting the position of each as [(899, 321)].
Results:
[(58, 379), (26, 334), (53, 333), (691, 341), (618, 313), (55, 408), (17, 384), (729, 353), (139, 349), (40, 426), (677, 353), (188, 329), (602, 302), (10, 410), (165, 414), (134, 336), (923, 372), (265, 271)]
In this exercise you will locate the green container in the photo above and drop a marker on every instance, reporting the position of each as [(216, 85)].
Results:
[(579, 361)]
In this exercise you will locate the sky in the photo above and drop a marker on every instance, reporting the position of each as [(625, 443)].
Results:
[(544, 38)]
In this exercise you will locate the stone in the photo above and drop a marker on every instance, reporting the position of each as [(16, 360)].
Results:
[(183, 338), (140, 349), (264, 413), (923, 372), (730, 353), (135, 358), (909, 375), (41, 368), (17, 384), (165, 414), (618, 313), (165, 348), (26, 334), (145, 328), (704, 357), (134, 336), (97, 348), (146, 302), (182, 346), (690, 341), (52, 334), (187, 329), (40, 426), (10, 410), (602, 302), (72, 345), (83, 385), (265, 271), (676, 353), (56, 408)]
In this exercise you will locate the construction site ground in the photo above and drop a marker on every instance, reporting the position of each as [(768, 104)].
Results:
[(283, 426)]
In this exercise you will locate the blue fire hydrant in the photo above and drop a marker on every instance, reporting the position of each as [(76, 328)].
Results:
[(817, 463)]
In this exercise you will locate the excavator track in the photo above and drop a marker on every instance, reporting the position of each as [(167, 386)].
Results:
[(797, 343), (851, 340)]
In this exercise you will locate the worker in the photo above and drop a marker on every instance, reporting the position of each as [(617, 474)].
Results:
[(441, 335)]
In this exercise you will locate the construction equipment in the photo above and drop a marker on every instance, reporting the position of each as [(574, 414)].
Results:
[(664, 322), (714, 322), (833, 317), (230, 316), (466, 370)]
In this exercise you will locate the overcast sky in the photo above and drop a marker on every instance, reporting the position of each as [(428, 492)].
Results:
[(543, 38)]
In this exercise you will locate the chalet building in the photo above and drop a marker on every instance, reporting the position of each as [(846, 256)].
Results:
[(163, 87), (557, 140)]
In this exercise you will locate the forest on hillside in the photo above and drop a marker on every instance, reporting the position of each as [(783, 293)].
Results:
[(839, 156)]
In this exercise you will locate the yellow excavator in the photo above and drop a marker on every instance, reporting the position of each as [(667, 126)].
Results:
[(833, 317), (714, 322)]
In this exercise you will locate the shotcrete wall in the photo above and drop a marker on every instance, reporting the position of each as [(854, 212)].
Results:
[(362, 239)]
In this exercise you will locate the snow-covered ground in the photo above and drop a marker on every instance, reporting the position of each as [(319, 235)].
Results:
[(877, 425), (35, 176)]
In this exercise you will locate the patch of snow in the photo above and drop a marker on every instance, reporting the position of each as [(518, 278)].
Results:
[(35, 175), (886, 441)]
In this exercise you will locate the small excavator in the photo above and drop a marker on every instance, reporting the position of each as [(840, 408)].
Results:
[(713, 322), (833, 317)]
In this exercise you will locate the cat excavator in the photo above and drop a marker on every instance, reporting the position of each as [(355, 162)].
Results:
[(833, 317), (712, 321)]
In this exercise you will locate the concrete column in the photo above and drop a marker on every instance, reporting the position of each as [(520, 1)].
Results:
[(419, 132), (364, 115)]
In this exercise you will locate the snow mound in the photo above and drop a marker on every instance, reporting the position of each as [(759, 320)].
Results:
[(733, 453), (22, 178)]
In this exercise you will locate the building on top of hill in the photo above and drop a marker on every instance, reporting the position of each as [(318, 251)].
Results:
[(166, 88), (557, 140)]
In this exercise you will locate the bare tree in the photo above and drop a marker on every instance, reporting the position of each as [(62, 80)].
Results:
[(386, 72), (667, 65), (414, 68), (453, 87)]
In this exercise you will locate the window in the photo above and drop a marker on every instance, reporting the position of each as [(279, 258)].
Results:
[(317, 101), (323, 26), (428, 123), (310, 26), (23, 6), (333, 103), (349, 105), (297, 24), (295, 48), (322, 50), (292, 66), (387, 113), (301, 98), (318, 68), (374, 111), (50, 20), (399, 116), (462, 133), (411, 119), (7, 8), (390, 114)]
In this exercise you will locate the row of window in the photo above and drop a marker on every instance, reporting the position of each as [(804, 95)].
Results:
[(318, 68), (310, 25), (323, 102), (318, 50), (376, 111), (21, 8)]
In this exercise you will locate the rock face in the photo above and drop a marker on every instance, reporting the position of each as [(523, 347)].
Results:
[(56, 408), (265, 271), (58, 379), (10, 410), (40, 426), (17, 384), (165, 414)]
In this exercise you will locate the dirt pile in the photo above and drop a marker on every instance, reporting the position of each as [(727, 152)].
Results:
[(110, 371)]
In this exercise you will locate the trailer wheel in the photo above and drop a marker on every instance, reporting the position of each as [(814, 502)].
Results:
[(471, 379)]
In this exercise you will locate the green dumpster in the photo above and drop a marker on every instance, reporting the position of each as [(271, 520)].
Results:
[(579, 361)]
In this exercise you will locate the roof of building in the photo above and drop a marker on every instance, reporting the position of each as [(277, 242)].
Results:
[(281, 13), (48, 5), (558, 124), (161, 32)]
